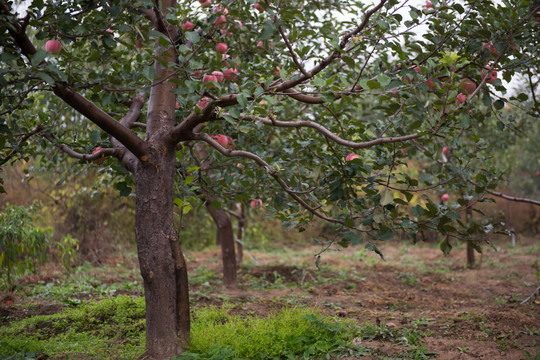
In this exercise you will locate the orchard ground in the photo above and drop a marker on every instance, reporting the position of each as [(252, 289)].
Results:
[(417, 303)]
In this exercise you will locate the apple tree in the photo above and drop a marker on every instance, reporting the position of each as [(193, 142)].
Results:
[(328, 109)]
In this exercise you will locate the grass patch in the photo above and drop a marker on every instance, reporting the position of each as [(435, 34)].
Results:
[(291, 333), (113, 328)]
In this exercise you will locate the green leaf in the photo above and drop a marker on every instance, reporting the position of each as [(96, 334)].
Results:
[(445, 246), (374, 248), (216, 205), (193, 36), (352, 238), (268, 30), (38, 57), (387, 197), (383, 79), (46, 77), (149, 72), (242, 100)]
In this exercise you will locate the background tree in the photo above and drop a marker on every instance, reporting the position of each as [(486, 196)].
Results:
[(295, 85)]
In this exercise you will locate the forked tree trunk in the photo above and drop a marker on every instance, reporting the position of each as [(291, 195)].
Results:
[(162, 264), (225, 238)]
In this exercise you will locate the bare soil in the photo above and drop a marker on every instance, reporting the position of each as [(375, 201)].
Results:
[(464, 313)]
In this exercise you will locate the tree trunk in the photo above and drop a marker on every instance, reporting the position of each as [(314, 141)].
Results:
[(241, 224), (226, 239), (470, 249), (162, 263), (470, 255)]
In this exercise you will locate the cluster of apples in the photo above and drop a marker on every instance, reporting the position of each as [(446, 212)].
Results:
[(221, 48)]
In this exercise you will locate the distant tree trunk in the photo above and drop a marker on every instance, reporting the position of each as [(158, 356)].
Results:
[(162, 263), (470, 249), (225, 238), (240, 225)]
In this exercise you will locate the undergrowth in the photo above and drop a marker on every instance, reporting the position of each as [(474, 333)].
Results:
[(114, 329)]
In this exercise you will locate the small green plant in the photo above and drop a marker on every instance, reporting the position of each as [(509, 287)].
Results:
[(291, 333), (22, 245)]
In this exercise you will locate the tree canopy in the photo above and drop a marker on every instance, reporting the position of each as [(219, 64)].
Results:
[(381, 118)]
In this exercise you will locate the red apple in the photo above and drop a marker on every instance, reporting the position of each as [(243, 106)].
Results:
[(111, 35), (256, 204), (429, 4), (491, 74), (177, 105), (207, 80), (468, 85), (205, 4), (537, 173), (445, 197), (197, 73), (445, 150), (230, 74), (218, 75), (222, 10), (188, 25), (431, 84), (221, 139), (220, 20), (404, 151), (461, 98), (53, 46), (351, 157), (100, 159), (201, 104), (276, 72), (489, 46), (258, 7), (222, 48)]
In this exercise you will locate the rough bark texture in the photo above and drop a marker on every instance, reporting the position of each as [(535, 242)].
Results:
[(163, 267), (226, 239)]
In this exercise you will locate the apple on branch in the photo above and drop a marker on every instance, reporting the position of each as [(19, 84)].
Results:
[(53, 46), (256, 204), (222, 48), (100, 159)]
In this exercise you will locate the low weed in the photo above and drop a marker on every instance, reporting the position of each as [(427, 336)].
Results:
[(113, 328), (291, 333)]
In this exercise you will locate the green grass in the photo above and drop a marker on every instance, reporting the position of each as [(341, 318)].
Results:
[(114, 329), (291, 333)]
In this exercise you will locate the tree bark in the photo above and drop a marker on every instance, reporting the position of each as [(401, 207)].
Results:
[(225, 237), (162, 264), (470, 249), (241, 224)]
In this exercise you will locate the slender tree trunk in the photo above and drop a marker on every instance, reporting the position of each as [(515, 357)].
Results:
[(162, 264), (226, 239), (470, 249), (241, 224)]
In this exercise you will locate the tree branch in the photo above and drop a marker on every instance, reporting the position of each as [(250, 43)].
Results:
[(24, 137), (508, 197), (327, 133), (80, 103), (271, 172)]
